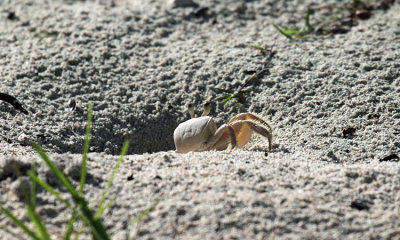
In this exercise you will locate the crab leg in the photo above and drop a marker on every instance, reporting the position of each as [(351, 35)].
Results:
[(250, 116), (222, 137), (244, 129), (233, 137)]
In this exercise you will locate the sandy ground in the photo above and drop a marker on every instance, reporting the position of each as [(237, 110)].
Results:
[(142, 62)]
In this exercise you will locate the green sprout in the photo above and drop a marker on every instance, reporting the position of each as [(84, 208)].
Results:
[(46, 35), (241, 91), (79, 205), (297, 33), (338, 21), (231, 94)]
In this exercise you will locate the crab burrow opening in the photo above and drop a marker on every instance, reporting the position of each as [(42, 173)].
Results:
[(58, 129)]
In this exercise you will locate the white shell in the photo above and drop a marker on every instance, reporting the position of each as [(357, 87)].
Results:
[(193, 134)]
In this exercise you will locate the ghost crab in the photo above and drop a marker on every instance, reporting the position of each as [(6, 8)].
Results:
[(201, 134)]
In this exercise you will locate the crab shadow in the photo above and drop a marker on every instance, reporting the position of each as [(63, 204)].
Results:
[(145, 136)]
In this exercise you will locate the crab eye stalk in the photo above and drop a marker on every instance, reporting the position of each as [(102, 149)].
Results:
[(207, 109), (191, 110)]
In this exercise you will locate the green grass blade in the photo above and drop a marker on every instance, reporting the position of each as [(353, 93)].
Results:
[(48, 188), (237, 95), (78, 234), (86, 148), (291, 31), (70, 228), (33, 190), (307, 19), (223, 97), (243, 92), (257, 47), (110, 181), (224, 90), (19, 223), (145, 212), (96, 226), (227, 98), (37, 221), (282, 32), (101, 210), (64, 180), (78, 200), (31, 210), (22, 184)]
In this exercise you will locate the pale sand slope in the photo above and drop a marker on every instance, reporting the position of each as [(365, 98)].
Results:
[(141, 63), (239, 195)]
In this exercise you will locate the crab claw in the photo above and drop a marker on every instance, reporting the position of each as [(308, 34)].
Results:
[(207, 109), (191, 110)]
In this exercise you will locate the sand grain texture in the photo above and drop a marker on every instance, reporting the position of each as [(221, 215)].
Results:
[(142, 62)]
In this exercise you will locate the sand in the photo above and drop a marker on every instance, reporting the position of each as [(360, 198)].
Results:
[(142, 62)]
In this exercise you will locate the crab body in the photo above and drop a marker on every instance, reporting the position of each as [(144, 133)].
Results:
[(201, 133), (194, 133)]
